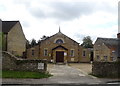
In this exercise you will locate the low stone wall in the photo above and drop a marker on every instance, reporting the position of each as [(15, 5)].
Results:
[(10, 62), (106, 69), (32, 65)]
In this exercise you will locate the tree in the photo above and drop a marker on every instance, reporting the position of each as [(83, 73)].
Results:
[(87, 42), (44, 37), (33, 42), (27, 44), (39, 41)]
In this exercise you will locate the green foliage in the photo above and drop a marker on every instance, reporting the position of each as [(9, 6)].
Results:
[(27, 44), (87, 42), (2, 41), (24, 74), (33, 42), (44, 37), (0, 73)]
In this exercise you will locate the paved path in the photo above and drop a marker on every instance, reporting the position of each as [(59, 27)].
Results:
[(62, 74), (86, 67), (67, 74)]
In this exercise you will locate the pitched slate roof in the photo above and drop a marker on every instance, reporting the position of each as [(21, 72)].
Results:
[(111, 43), (61, 34), (7, 25)]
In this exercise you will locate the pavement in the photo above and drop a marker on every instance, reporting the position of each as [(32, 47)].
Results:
[(85, 67), (62, 74), (65, 74)]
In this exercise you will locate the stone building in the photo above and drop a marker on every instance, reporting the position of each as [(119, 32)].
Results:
[(87, 55), (14, 40), (106, 49), (59, 48)]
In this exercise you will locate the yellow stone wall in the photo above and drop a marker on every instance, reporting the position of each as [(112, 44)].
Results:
[(101, 50), (85, 58), (36, 52), (16, 41), (50, 44)]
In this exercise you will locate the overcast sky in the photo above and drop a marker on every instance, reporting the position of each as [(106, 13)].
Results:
[(76, 18)]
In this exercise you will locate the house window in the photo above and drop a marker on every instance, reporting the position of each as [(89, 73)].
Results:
[(32, 52), (105, 58), (59, 41), (45, 52), (98, 57), (72, 53), (84, 53)]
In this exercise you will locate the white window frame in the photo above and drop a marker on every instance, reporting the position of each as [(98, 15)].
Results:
[(72, 52), (97, 57), (59, 38), (45, 52), (105, 58)]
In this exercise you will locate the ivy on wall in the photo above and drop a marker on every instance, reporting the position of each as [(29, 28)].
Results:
[(2, 41)]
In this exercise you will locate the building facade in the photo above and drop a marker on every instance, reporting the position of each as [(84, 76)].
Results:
[(14, 40), (106, 49), (58, 48)]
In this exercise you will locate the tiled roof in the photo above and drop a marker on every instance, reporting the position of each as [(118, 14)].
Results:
[(108, 41), (111, 43), (60, 33), (7, 25)]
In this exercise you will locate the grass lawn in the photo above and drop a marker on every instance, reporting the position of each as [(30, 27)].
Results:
[(24, 74)]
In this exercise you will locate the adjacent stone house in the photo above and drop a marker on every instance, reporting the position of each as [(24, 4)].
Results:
[(87, 55), (106, 49), (58, 48), (14, 40)]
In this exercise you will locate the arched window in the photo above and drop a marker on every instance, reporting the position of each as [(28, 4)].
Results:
[(59, 41)]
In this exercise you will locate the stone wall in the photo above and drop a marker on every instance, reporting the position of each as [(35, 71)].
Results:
[(36, 52), (49, 44), (87, 57), (10, 62), (101, 50), (106, 69)]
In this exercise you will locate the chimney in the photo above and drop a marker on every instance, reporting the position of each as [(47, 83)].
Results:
[(118, 35)]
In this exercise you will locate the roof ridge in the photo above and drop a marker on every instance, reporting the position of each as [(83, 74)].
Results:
[(106, 38), (8, 25), (64, 35), (11, 21)]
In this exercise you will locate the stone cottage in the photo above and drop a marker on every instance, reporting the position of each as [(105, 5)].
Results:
[(106, 49), (59, 48), (14, 40)]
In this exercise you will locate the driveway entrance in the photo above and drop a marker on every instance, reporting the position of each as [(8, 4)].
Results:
[(67, 74)]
